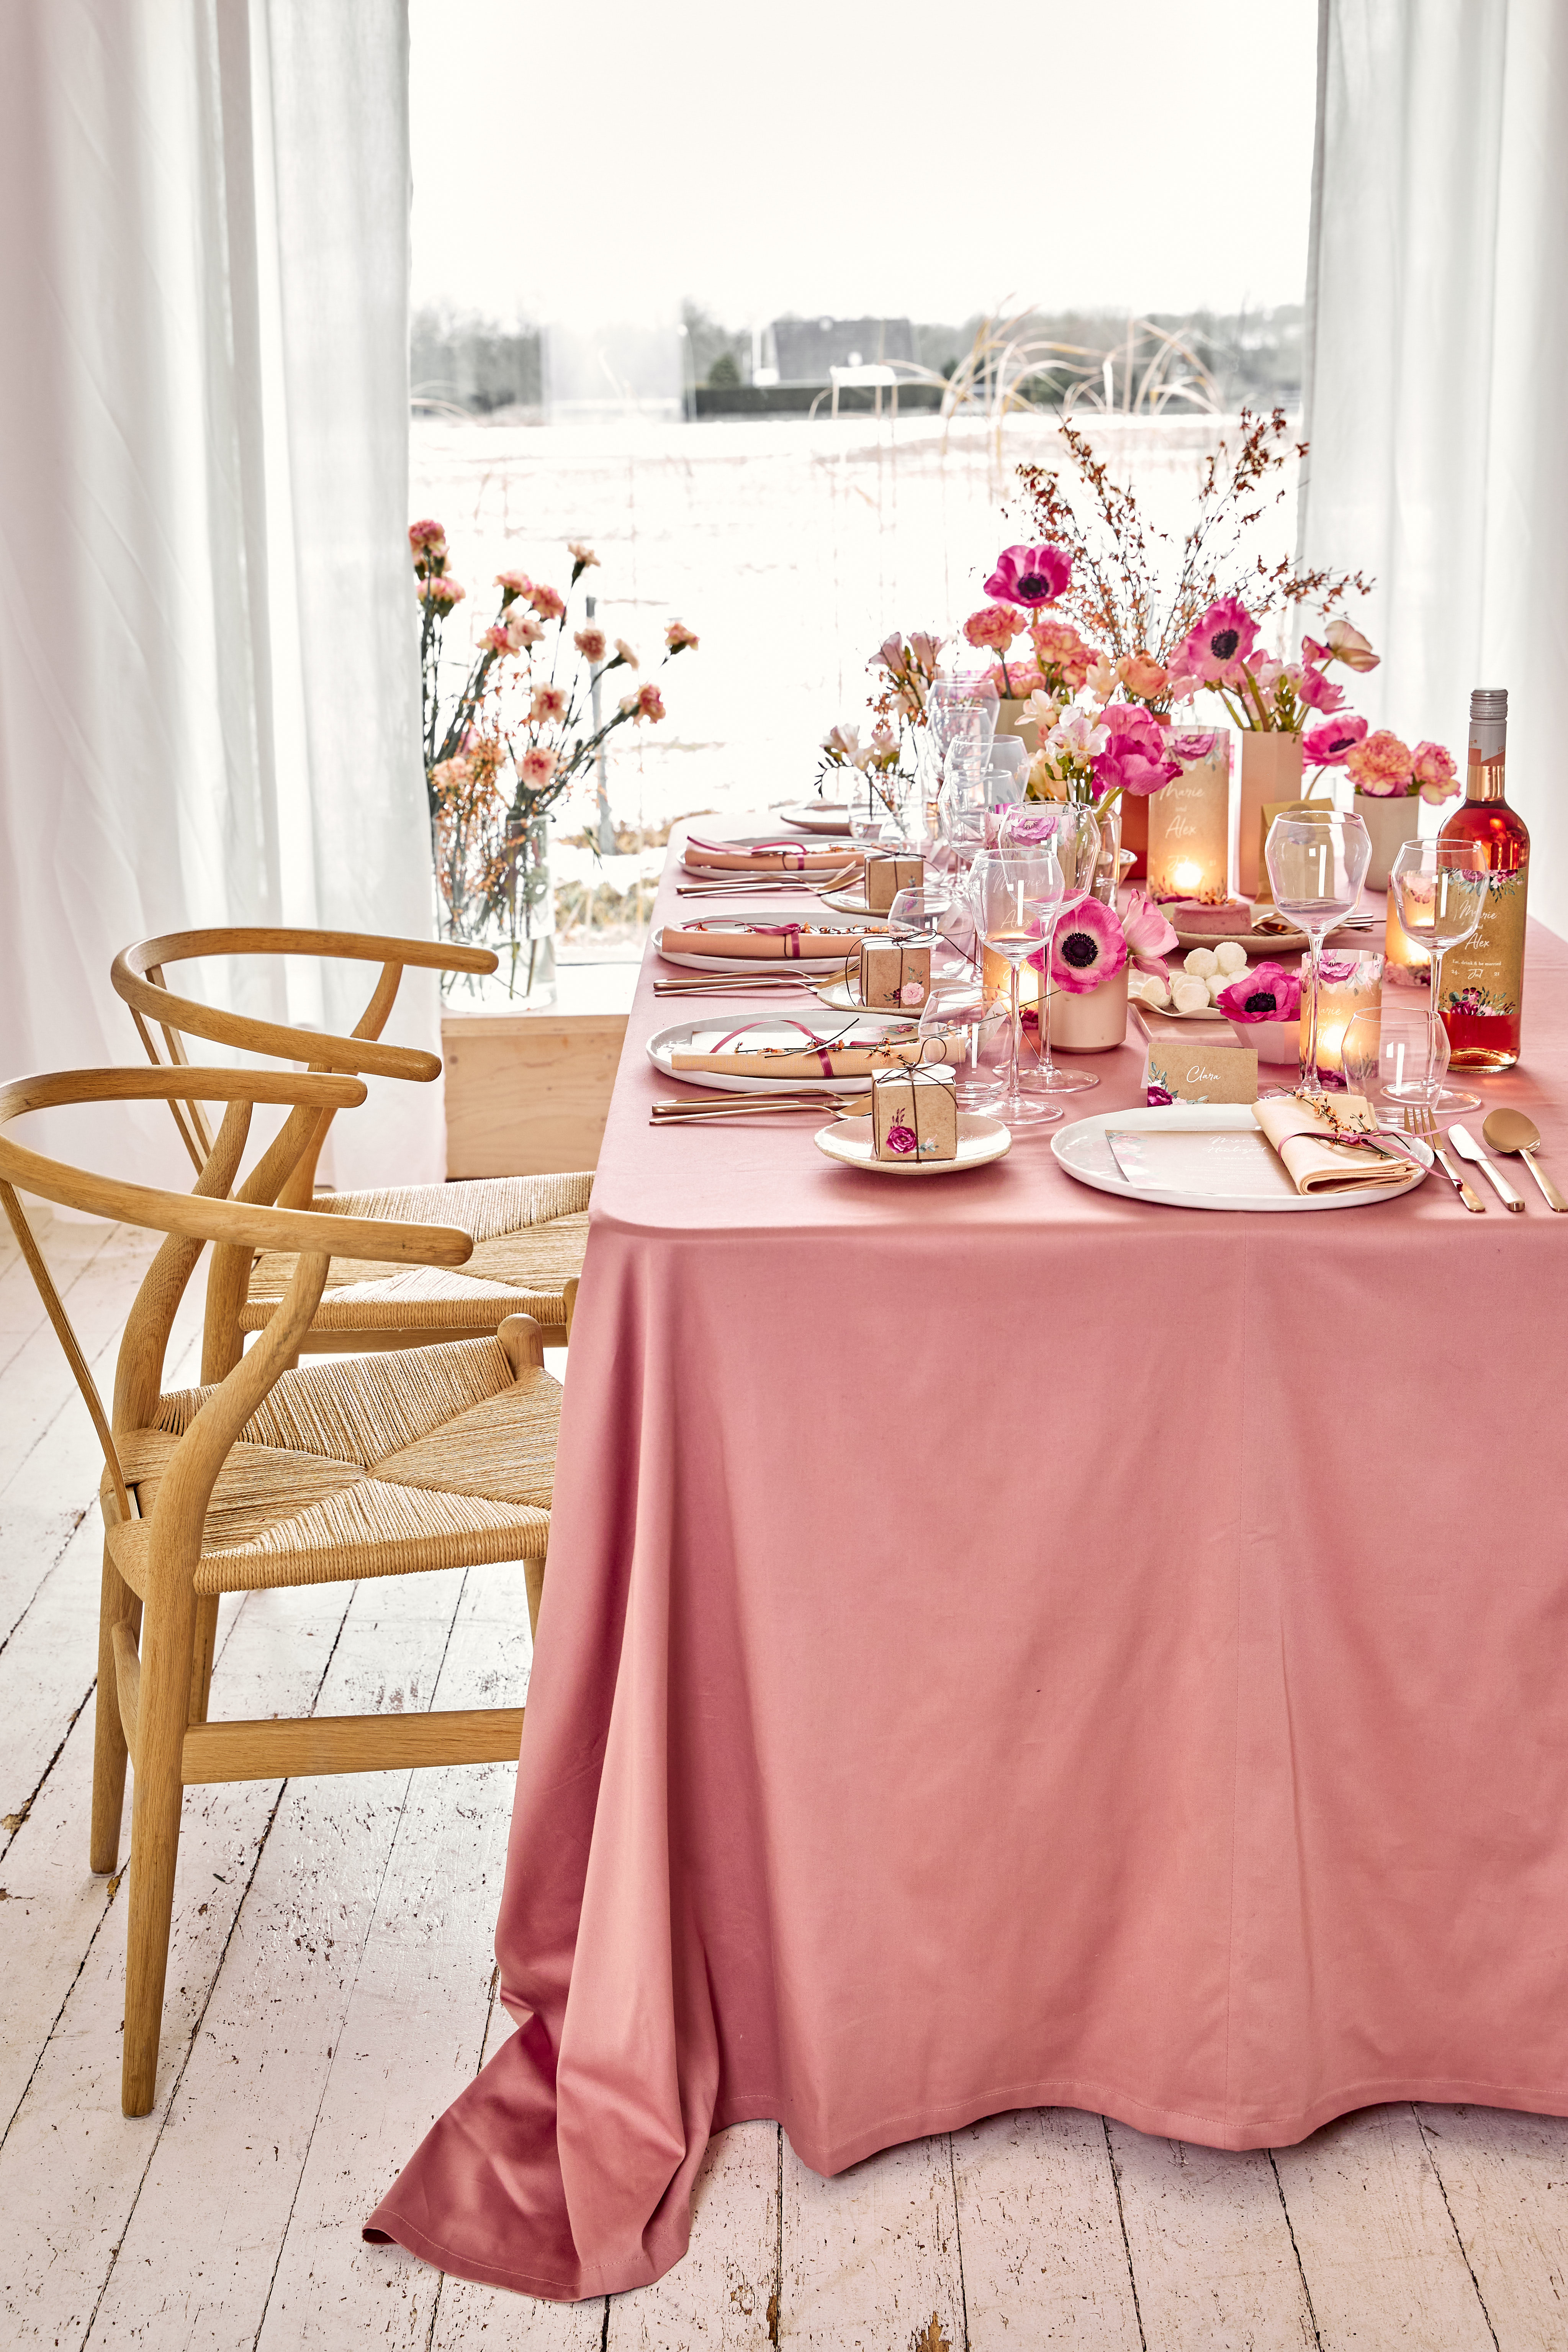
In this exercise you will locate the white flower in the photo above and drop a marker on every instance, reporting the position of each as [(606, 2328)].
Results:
[(1103, 679), (1076, 736), (1041, 709)]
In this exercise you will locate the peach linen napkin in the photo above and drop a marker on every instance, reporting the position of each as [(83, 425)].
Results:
[(1313, 1162), (770, 858), (761, 940)]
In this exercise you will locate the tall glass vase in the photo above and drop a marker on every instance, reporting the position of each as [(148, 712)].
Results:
[(517, 921)]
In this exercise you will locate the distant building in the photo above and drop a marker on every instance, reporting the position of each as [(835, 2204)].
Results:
[(806, 348)]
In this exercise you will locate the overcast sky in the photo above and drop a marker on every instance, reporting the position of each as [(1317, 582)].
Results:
[(602, 161)]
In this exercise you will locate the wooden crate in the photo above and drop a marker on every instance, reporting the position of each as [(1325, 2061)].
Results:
[(527, 1092)]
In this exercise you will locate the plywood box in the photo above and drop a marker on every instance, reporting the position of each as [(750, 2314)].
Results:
[(528, 1093)]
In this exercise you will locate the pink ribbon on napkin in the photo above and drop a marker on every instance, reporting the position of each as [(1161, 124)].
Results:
[(813, 1036), (796, 850), (789, 932)]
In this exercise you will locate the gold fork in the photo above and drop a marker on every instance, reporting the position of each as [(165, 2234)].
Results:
[(1419, 1120)]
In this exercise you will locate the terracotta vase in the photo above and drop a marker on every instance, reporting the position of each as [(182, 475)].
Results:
[(1093, 1022), (1270, 770), (1389, 823)]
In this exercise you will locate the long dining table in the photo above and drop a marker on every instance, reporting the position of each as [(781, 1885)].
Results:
[(1005, 1645)]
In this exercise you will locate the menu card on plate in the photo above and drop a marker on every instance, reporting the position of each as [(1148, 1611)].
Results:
[(1186, 1069)]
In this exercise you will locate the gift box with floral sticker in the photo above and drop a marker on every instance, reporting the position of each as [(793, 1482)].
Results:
[(887, 874), (894, 975), (914, 1114)]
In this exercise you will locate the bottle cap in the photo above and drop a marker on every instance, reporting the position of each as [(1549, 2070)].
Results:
[(1489, 702)]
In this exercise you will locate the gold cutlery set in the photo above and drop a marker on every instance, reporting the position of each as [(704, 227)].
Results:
[(1506, 1131)]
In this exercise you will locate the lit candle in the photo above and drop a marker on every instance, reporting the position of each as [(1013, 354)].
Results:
[(1189, 821), (1408, 965), (1349, 984)]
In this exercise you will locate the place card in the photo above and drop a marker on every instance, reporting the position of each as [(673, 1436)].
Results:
[(914, 1114), (894, 975), (887, 876), (1181, 1070)]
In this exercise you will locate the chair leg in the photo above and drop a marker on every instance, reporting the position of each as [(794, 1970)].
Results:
[(534, 1578), (161, 1715), (203, 1642), (118, 1606)]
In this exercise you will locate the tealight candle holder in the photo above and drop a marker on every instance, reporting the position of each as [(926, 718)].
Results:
[(1349, 984), (1189, 821), (1407, 964)]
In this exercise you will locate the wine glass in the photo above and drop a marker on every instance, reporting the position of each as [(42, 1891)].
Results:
[(1439, 892), (1008, 777), (1073, 830), (917, 914), (1316, 868), (1015, 894), (960, 1011)]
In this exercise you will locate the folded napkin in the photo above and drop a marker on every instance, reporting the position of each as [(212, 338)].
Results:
[(761, 940), (1314, 1162), (769, 856), (820, 1058)]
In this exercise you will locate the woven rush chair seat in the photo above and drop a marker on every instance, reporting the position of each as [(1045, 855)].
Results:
[(529, 1234), (367, 1466)]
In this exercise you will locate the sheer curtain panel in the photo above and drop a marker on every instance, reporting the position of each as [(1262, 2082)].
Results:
[(208, 688), (1437, 339)]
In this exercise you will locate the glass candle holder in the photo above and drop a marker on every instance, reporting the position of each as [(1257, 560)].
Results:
[(1405, 965), (1189, 821), (1349, 983)]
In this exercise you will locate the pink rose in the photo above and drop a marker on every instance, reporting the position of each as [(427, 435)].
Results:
[(1432, 769), (1325, 746), (1137, 756), (1142, 676), (1148, 933), (902, 1139), (994, 626), (1268, 993), (1220, 642), (1030, 575), (912, 993), (589, 644), (1382, 766)]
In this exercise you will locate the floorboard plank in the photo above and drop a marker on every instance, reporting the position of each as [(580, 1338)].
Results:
[(1376, 2243), (1505, 2178), (1210, 2246), (1044, 2258), (723, 2295), (871, 2258)]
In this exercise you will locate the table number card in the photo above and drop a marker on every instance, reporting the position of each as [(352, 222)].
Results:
[(894, 975), (886, 876), (1179, 1070), (914, 1114)]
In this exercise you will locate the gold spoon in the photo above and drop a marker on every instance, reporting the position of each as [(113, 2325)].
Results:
[(1509, 1131)]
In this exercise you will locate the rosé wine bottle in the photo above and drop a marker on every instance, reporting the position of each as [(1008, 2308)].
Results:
[(1483, 981)]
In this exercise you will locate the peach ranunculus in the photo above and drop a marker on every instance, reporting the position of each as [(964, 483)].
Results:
[(521, 629), (1348, 646), (1433, 768), (539, 765), (582, 556), (548, 603), (646, 703), (1142, 676), (548, 703), (679, 639), (994, 625), (590, 644), (624, 654), (439, 588), (513, 585), (1382, 766)]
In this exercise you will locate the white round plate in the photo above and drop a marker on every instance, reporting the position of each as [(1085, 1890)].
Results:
[(980, 1141), (784, 965), (694, 862), (1265, 944), (818, 817), (1227, 1162), (844, 902), (869, 1027)]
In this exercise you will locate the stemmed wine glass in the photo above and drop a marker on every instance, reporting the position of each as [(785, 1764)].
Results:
[(1316, 868), (1073, 830), (958, 708), (959, 1012), (1439, 889), (1015, 894)]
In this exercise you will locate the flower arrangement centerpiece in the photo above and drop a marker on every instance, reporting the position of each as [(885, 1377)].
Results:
[(524, 725), (886, 760)]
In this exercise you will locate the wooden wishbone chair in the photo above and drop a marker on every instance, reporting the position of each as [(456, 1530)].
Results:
[(528, 1231), (376, 1466)]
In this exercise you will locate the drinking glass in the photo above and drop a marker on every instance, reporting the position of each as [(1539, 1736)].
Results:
[(1439, 891), (1008, 777), (961, 1006), (919, 914), (1316, 868), (961, 805), (1361, 1052), (1015, 894), (1073, 830)]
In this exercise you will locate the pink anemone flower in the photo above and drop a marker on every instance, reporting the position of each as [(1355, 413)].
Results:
[(1148, 931), (1090, 946), (1138, 754), (1268, 993), (1220, 642), (1030, 575), (1326, 746)]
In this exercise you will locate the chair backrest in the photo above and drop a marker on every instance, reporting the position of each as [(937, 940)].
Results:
[(190, 1220)]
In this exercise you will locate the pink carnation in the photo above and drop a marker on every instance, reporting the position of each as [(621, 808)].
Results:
[(549, 702), (994, 626), (495, 639), (646, 703), (679, 638), (539, 766), (1090, 946), (1137, 758), (513, 584), (1325, 746), (1030, 575), (521, 629), (440, 589), (1220, 642), (589, 644), (428, 537), (1433, 768), (1268, 993), (1382, 766), (548, 603)]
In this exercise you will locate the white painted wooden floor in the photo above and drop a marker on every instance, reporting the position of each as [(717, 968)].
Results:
[(331, 1989)]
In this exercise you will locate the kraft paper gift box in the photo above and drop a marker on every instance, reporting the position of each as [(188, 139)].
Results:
[(893, 976), (914, 1114), (1183, 1070), (886, 876)]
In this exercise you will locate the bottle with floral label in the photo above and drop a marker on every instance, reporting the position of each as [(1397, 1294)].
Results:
[(1483, 981)]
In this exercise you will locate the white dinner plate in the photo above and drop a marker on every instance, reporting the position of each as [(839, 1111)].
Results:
[(752, 965), (864, 1028), (818, 817), (1214, 1156), (980, 1141), (693, 860)]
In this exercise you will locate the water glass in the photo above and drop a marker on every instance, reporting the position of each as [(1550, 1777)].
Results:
[(959, 1009), (1439, 889)]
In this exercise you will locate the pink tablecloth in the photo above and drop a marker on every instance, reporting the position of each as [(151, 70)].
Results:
[(1005, 1646)]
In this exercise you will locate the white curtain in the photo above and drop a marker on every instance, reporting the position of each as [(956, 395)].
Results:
[(208, 691), (1437, 337)]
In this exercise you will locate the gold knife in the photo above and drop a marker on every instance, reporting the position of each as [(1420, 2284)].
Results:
[(1466, 1192)]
